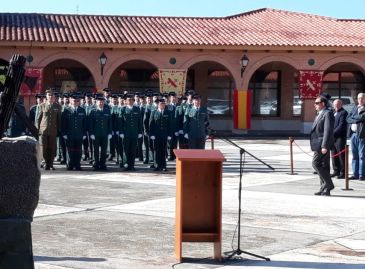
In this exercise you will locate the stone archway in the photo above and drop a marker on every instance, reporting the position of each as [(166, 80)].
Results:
[(134, 75), (251, 69), (233, 70), (68, 75)]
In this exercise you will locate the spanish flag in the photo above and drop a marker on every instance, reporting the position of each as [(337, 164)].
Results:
[(242, 109)]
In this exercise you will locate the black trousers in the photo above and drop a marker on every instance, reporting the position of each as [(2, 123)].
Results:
[(338, 162), (197, 143), (130, 149), (173, 145), (113, 143), (146, 141), (74, 152), (160, 147), (140, 149), (100, 145), (321, 164), (183, 142)]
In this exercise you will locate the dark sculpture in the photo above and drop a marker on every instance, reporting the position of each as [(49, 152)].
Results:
[(19, 177)]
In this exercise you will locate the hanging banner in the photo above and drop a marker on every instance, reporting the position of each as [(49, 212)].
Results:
[(310, 84), (172, 80), (33, 81), (242, 109)]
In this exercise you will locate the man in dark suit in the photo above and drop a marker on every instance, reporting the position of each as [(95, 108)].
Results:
[(339, 133), (321, 141)]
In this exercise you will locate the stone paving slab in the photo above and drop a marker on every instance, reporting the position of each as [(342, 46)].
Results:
[(115, 219)]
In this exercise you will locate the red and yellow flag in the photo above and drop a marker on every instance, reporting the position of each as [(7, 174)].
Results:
[(242, 109)]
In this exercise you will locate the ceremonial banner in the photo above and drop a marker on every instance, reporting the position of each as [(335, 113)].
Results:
[(242, 109), (172, 80), (33, 81), (310, 84)]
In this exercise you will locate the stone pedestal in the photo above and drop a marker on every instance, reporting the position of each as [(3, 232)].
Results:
[(19, 193)]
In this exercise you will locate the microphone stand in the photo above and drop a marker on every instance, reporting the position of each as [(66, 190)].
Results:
[(239, 251)]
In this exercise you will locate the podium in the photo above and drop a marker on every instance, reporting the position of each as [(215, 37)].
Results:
[(198, 198)]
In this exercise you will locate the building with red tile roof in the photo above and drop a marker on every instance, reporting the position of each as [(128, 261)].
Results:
[(280, 45)]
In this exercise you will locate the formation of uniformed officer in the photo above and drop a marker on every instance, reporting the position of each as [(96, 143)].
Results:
[(100, 132), (130, 129), (160, 133), (49, 125), (196, 124), (88, 105), (74, 131), (128, 123)]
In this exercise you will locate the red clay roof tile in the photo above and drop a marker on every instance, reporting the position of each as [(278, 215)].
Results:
[(266, 27)]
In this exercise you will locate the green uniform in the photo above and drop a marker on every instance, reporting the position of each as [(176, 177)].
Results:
[(146, 132), (74, 131), (100, 128), (49, 126), (195, 125), (87, 143), (179, 117), (160, 129), (130, 125), (174, 130), (113, 143)]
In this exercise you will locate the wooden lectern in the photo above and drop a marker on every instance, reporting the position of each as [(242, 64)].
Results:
[(198, 198)]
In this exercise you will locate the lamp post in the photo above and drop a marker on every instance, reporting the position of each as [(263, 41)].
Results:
[(102, 61), (244, 62)]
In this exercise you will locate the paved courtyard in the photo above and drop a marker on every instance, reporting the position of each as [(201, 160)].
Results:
[(118, 219)]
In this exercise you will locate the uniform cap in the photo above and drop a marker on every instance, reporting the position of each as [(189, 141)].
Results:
[(172, 93), (107, 90), (197, 96)]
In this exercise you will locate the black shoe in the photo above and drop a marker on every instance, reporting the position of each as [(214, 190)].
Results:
[(103, 167), (63, 162), (315, 173), (164, 169), (46, 168), (157, 169), (171, 159), (91, 162), (78, 168), (127, 169), (326, 193), (133, 169), (152, 166), (52, 168), (146, 162), (69, 168), (340, 176), (121, 165), (362, 178), (85, 159), (318, 193), (353, 178), (334, 175), (96, 168), (110, 159)]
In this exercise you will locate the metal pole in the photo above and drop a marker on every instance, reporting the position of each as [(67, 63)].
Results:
[(291, 140), (347, 188)]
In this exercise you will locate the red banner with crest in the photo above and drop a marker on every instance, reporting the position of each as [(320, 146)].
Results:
[(310, 84), (33, 81)]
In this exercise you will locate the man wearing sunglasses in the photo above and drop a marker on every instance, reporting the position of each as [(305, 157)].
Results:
[(321, 141)]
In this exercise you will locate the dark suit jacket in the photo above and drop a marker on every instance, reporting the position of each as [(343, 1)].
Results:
[(340, 128), (321, 135)]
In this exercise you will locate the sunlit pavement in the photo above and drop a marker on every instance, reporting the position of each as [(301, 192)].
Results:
[(117, 219)]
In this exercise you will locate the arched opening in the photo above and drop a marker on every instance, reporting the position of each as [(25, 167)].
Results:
[(216, 84), (135, 76), (275, 91), (344, 81), (68, 75)]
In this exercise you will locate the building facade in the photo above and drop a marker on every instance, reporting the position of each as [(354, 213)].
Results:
[(279, 44)]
